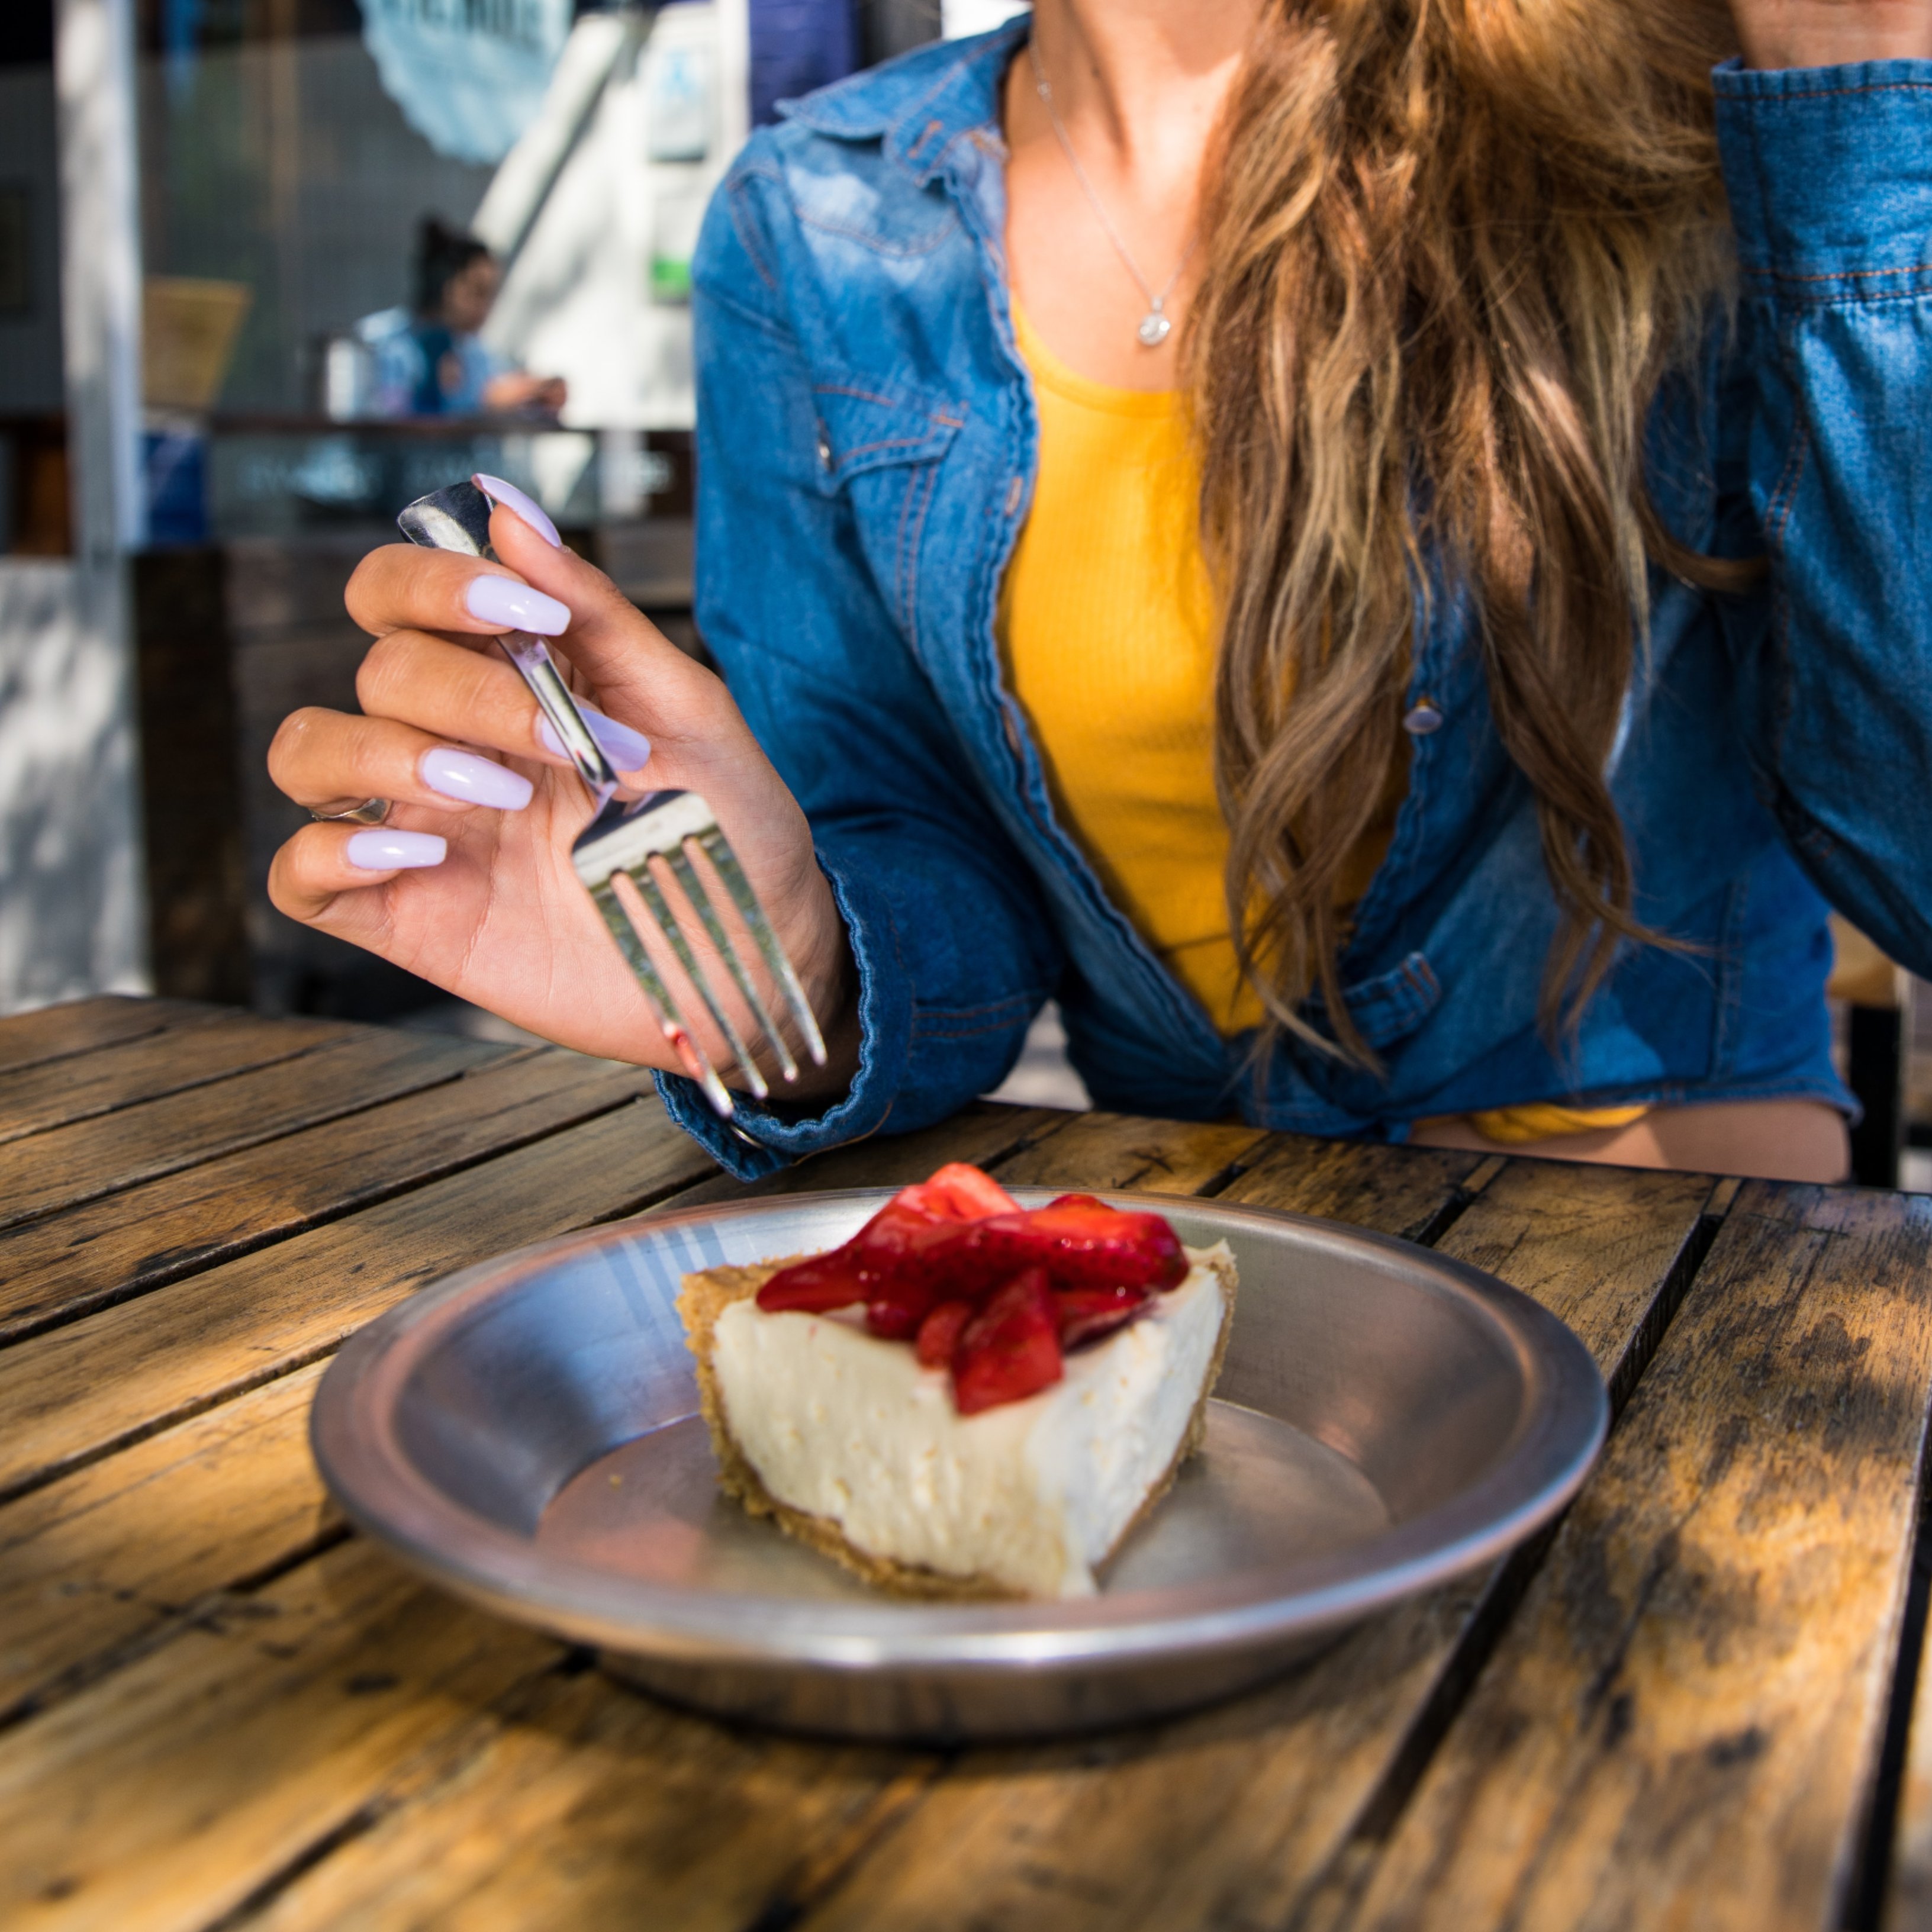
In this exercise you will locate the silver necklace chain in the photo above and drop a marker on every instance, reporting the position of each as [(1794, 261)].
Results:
[(1156, 325)]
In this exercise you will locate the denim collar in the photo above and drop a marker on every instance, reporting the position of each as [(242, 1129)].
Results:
[(920, 105)]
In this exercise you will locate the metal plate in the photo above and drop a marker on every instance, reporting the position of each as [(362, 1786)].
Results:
[(527, 1432)]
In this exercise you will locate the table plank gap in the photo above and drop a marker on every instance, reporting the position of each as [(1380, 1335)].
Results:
[(65, 1032), (1228, 1818), (137, 1071), (63, 1266), (1652, 1729), (92, 1159), (1892, 1837), (1895, 1892), (100, 1384)]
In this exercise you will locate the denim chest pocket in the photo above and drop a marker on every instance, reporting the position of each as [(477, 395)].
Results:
[(881, 445), (861, 427)]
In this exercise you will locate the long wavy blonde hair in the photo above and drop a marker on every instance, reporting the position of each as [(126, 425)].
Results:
[(1453, 245)]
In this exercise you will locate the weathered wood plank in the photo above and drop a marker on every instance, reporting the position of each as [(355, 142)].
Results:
[(587, 1787), (498, 1821), (81, 1026), (123, 1550), (90, 1158), (162, 1795), (1402, 1191), (75, 1392), (109, 1249), (1228, 1819), (1120, 1150), (36, 1098), (1908, 1891), (1681, 1724), (170, 1793)]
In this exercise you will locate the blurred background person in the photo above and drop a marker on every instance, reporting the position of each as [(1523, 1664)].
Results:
[(431, 360)]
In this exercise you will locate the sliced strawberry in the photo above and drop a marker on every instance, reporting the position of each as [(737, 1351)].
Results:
[(878, 1252), (896, 1306), (1009, 1350), (962, 1193), (1081, 1243), (1084, 1315), (960, 1237), (826, 1281), (939, 1333)]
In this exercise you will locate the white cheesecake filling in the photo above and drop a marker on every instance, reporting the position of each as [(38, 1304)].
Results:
[(1030, 1495)]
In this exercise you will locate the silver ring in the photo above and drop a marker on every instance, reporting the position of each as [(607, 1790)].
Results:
[(371, 811)]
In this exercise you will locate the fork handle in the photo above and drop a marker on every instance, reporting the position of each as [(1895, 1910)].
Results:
[(537, 669), (457, 519)]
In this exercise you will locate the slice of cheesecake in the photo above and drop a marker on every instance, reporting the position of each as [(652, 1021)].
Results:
[(859, 1447)]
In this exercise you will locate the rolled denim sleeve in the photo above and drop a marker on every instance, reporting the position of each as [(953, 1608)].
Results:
[(954, 948), (1829, 171)]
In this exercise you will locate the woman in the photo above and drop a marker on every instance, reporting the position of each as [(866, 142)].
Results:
[(1522, 635), (436, 363)]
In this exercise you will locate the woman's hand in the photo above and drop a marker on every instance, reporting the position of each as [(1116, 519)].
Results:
[(1829, 33), (468, 883)]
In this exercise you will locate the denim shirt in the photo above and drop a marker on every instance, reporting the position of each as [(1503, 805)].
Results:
[(867, 441)]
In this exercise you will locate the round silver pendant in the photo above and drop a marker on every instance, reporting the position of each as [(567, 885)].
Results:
[(1154, 329)]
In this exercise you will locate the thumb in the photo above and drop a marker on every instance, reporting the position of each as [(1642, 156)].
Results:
[(638, 674)]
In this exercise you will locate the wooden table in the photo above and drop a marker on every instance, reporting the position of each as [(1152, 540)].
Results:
[(1692, 1706)]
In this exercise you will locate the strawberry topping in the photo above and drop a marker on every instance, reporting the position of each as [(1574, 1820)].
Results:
[(1085, 1314), (939, 1334), (1009, 1350), (997, 1292)]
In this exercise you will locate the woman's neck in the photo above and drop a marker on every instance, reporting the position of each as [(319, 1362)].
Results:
[(1138, 86), (1139, 83)]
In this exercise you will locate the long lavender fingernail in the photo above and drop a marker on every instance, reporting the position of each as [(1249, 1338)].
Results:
[(513, 499), (383, 850), (512, 606), (626, 749), (462, 775)]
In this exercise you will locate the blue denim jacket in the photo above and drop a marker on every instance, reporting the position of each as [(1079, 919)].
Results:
[(867, 441)]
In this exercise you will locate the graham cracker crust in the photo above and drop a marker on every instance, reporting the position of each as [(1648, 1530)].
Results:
[(705, 1295)]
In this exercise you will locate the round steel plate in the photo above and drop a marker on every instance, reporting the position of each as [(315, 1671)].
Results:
[(527, 1433)]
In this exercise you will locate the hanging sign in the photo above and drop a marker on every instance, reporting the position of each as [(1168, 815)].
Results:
[(468, 75)]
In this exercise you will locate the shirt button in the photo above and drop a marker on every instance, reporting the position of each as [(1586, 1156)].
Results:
[(1422, 718), (824, 451)]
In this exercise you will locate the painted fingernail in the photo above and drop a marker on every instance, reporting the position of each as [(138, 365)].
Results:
[(383, 850), (513, 499), (475, 781), (626, 749), (512, 606)]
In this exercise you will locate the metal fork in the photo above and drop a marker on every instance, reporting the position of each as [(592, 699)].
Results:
[(667, 827)]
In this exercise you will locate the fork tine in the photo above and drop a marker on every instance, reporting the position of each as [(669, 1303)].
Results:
[(657, 996), (659, 907), (717, 848), (699, 894)]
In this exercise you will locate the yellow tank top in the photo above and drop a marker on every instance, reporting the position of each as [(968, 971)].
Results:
[(1106, 629)]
